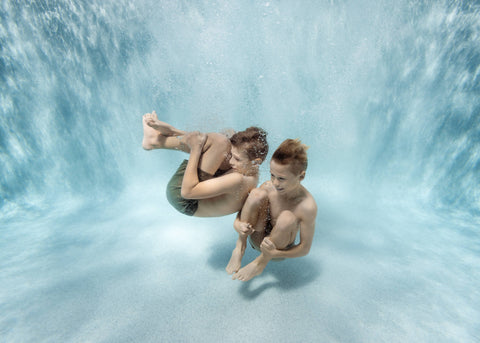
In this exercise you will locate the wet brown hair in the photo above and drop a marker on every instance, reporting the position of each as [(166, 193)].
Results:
[(294, 152), (253, 140)]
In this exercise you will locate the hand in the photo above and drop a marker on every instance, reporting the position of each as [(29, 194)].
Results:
[(267, 247), (243, 228), (195, 139)]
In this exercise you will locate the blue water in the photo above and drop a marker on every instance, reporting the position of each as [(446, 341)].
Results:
[(386, 94)]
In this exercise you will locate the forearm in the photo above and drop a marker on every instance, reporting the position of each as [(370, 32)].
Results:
[(236, 223), (296, 251), (190, 178)]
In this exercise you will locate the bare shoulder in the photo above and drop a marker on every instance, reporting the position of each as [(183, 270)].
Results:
[(250, 181), (267, 186), (308, 206)]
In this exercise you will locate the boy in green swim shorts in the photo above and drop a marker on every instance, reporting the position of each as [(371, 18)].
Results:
[(217, 178)]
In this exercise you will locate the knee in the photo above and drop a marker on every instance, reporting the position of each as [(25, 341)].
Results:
[(286, 221), (257, 197), (218, 142)]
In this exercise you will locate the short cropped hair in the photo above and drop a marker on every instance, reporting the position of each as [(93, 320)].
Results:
[(293, 152), (253, 140)]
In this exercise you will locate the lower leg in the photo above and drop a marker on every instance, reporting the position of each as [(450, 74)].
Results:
[(165, 129), (283, 234), (257, 266), (215, 153), (153, 139), (254, 212), (237, 254)]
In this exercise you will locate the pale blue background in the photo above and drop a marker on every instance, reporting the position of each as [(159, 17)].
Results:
[(385, 93)]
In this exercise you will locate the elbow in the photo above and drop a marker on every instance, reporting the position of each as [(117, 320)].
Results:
[(305, 250), (186, 194)]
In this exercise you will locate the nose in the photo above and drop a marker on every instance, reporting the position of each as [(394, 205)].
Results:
[(275, 181)]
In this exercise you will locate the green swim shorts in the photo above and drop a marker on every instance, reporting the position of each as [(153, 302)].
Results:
[(174, 188)]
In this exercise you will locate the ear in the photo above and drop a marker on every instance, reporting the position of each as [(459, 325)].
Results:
[(257, 161), (302, 175)]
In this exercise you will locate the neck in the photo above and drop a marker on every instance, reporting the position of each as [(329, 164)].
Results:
[(294, 194), (251, 172)]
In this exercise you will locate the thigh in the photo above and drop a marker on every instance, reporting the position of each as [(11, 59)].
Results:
[(262, 226)]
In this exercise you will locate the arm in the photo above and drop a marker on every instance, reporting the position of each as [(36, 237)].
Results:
[(192, 188), (243, 228), (190, 179), (214, 187)]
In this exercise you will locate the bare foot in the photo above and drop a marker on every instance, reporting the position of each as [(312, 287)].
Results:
[(165, 129), (235, 261), (150, 136), (251, 270)]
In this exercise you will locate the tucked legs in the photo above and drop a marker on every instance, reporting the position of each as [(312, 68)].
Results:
[(160, 135), (282, 235), (252, 221)]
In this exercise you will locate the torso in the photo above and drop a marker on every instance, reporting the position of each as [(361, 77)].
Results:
[(228, 203), (279, 203)]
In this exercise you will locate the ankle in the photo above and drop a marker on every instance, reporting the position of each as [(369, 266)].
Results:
[(240, 249)]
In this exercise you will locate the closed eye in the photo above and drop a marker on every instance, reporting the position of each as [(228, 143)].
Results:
[(278, 178)]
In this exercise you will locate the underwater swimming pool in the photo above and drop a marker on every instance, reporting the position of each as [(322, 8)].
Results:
[(386, 96)]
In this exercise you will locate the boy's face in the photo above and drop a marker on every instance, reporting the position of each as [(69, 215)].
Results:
[(283, 179), (239, 160)]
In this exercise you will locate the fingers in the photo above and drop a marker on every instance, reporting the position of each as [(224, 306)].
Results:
[(247, 228), (267, 244)]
